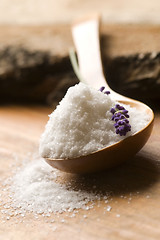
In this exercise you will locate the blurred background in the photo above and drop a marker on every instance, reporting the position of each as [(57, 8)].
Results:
[(35, 37), (64, 11)]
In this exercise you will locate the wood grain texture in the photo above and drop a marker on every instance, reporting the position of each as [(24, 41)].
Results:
[(117, 40), (134, 187)]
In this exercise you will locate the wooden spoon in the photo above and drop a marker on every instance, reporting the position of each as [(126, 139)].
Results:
[(86, 39)]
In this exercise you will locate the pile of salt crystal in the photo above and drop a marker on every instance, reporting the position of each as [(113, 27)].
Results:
[(81, 124), (36, 188)]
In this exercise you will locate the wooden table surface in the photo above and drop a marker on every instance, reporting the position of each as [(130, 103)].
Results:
[(134, 187)]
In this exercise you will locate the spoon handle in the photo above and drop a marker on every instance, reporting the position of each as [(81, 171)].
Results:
[(86, 40)]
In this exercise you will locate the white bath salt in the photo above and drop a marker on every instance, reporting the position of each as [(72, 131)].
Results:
[(109, 208), (54, 228), (30, 194), (82, 124)]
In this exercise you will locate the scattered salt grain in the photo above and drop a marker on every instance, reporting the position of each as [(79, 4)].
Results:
[(47, 196), (109, 208), (82, 124), (54, 228), (62, 221)]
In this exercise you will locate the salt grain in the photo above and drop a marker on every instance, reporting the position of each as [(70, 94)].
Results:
[(62, 221), (54, 228), (109, 208)]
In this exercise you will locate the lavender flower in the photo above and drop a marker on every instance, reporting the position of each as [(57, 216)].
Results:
[(120, 115), (102, 90)]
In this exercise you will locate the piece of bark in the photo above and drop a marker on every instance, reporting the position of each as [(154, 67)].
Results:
[(34, 65), (136, 75), (31, 76), (39, 76)]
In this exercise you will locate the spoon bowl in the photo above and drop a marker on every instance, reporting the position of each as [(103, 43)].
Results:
[(86, 39), (111, 156)]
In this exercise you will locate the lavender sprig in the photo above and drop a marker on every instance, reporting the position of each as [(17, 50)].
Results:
[(120, 116)]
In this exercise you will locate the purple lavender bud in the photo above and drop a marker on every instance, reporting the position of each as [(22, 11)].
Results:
[(122, 117), (112, 110), (101, 89), (120, 122), (113, 118), (107, 92), (125, 111), (128, 127), (121, 108), (117, 114), (116, 125), (117, 106), (116, 119), (117, 131), (126, 121), (121, 128)]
